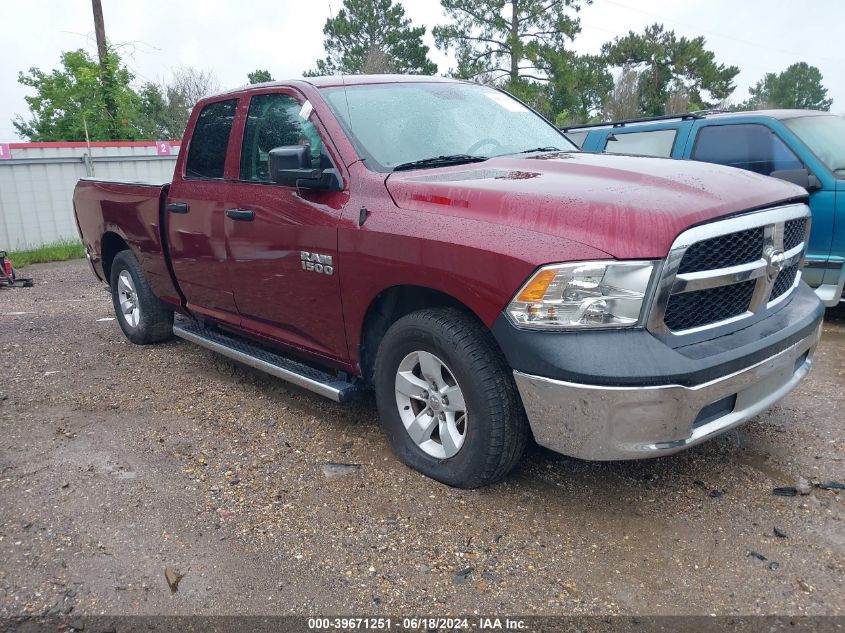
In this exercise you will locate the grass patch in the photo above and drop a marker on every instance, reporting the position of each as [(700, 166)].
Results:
[(55, 252)]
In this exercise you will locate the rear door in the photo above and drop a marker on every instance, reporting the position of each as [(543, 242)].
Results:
[(195, 215), (838, 239), (751, 146), (283, 240)]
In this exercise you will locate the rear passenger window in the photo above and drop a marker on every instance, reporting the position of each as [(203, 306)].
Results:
[(747, 146), (207, 155), (651, 143)]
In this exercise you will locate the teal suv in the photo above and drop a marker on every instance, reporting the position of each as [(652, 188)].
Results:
[(805, 147)]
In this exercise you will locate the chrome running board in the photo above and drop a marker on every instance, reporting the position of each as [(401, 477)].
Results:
[(294, 372)]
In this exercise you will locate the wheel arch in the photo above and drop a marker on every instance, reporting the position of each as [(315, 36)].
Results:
[(390, 305), (111, 244)]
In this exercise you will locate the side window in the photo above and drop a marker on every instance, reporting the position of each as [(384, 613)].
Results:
[(577, 137), (207, 155), (748, 146), (650, 143), (273, 120)]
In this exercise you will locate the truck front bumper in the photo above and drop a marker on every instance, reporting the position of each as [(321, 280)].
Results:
[(683, 396)]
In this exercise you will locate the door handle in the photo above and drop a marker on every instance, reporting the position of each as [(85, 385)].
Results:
[(177, 207), (244, 215)]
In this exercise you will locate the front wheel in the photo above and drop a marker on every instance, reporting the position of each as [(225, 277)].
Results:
[(447, 399), (142, 317)]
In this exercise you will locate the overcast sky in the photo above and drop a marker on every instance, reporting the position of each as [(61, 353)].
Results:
[(285, 36)]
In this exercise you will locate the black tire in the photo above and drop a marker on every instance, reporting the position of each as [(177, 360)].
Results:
[(155, 322), (496, 429)]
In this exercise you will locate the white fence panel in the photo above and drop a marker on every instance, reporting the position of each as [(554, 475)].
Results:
[(37, 181)]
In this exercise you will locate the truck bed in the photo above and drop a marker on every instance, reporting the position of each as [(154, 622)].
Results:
[(111, 213)]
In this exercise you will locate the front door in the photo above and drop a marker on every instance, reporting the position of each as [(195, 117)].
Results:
[(283, 240), (823, 207), (837, 254)]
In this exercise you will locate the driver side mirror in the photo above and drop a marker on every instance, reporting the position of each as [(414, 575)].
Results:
[(800, 177), (291, 165)]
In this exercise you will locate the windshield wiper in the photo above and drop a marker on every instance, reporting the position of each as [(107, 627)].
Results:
[(540, 149), (439, 161)]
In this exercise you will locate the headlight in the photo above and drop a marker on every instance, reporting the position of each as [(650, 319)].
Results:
[(582, 295)]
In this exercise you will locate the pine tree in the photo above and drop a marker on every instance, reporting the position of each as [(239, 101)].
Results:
[(373, 36), (667, 64)]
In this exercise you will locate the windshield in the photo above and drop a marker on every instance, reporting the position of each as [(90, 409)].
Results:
[(398, 123), (825, 136)]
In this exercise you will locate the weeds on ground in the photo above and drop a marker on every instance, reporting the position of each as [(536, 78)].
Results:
[(54, 252)]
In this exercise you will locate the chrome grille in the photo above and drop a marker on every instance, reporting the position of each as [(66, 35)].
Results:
[(729, 270), (694, 309), (793, 233), (723, 251), (785, 281)]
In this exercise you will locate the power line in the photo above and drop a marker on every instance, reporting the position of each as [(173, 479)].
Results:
[(601, 28)]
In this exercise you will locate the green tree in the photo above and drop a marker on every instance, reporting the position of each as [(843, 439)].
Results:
[(667, 64), (579, 85), (164, 112), (165, 108), (519, 41), (153, 111), (72, 97), (259, 77), (373, 36), (799, 86)]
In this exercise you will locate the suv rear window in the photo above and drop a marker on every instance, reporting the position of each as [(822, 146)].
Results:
[(748, 146), (577, 137), (207, 155), (650, 143)]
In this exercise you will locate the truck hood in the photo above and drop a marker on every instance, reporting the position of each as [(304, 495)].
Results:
[(629, 207)]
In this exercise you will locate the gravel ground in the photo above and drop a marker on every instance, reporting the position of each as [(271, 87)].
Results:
[(120, 461)]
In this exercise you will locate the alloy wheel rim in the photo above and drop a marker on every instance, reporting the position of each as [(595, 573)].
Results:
[(128, 299), (431, 404)]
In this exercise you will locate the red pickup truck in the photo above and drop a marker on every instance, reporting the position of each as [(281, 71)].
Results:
[(442, 243)]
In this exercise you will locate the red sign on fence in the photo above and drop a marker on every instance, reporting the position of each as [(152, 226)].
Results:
[(5, 152), (163, 148)]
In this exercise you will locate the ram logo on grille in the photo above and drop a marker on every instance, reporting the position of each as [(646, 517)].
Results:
[(775, 261)]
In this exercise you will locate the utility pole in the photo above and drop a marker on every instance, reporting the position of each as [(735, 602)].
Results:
[(105, 76), (100, 31)]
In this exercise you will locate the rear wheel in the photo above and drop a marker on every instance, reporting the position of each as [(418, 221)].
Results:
[(447, 400), (141, 315)]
